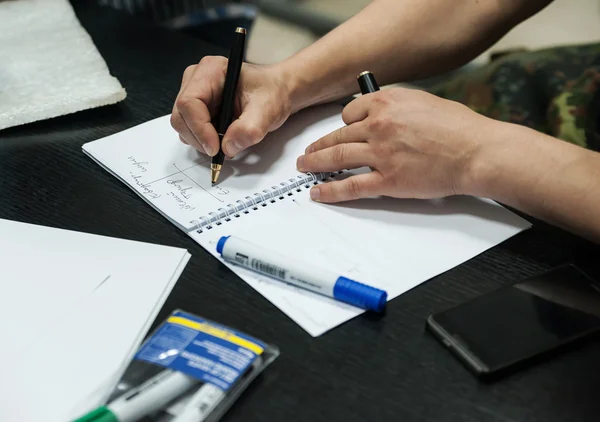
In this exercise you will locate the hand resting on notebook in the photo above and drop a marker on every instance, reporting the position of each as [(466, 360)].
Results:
[(421, 146), (418, 146)]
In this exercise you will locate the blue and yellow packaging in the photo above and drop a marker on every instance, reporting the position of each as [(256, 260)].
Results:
[(189, 369)]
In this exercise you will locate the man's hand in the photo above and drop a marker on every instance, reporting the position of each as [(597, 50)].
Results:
[(417, 146), (262, 105)]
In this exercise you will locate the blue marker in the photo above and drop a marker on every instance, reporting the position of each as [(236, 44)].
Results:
[(272, 264)]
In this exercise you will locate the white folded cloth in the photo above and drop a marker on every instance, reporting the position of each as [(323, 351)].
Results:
[(49, 65)]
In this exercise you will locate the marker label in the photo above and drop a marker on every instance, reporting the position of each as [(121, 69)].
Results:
[(269, 269), (201, 349), (272, 264)]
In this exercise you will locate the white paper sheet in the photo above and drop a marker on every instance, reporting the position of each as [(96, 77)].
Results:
[(389, 243), (73, 309)]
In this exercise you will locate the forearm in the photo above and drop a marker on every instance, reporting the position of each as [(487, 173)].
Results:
[(542, 176), (400, 40)]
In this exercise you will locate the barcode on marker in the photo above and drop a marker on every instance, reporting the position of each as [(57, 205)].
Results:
[(266, 268)]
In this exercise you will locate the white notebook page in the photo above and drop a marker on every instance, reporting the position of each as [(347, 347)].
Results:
[(176, 179), (386, 243), (389, 243)]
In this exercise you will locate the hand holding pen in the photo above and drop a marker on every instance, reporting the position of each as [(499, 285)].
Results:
[(261, 104)]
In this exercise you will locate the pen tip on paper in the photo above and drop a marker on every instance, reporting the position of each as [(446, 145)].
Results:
[(215, 171)]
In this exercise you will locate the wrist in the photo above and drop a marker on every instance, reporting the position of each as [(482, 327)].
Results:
[(511, 161), (297, 85), (308, 85), (495, 148)]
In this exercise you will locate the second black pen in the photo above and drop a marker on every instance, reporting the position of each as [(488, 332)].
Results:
[(367, 82)]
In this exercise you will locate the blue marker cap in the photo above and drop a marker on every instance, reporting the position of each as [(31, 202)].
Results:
[(358, 294), (221, 243)]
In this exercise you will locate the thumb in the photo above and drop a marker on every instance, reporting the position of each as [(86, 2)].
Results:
[(247, 130)]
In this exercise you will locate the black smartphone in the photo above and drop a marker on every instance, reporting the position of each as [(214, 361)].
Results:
[(510, 326)]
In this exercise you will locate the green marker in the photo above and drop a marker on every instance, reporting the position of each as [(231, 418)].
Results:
[(149, 397)]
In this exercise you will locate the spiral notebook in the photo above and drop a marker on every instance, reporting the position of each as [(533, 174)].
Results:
[(388, 243)]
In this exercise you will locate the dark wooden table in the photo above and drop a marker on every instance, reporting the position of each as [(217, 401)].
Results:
[(366, 370)]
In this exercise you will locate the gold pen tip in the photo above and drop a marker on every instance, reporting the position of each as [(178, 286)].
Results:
[(215, 171), (366, 72), (240, 30)]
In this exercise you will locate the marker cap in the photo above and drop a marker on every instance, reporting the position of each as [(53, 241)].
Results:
[(221, 244), (358, 294), (101, 414)]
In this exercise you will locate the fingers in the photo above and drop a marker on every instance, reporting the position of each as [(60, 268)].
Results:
[(357, 110), (249, 129), (185, 131), (360, 108), (187, 75), (207, 81), (352, 133), (192, 121), (339, 157), (181, 127), (177, 121), (355, 187), (200, 92)]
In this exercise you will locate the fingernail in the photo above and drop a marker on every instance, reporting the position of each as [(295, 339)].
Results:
[(315, 194), (300, 163), (182, 140), (308, 149), (234, 147), (207, 149)]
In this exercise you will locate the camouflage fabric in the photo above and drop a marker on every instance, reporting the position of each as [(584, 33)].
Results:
[(555, 91)]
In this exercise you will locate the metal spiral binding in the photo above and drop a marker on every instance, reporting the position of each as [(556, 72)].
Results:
[(260, 199)]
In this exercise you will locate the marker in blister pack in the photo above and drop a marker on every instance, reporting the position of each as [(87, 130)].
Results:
[(189, 370)]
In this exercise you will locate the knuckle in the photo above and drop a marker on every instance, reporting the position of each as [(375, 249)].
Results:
[(377, 123), (380, 98), (382, 150), (184, 102), (254, 132), (340, 134), (215, 62), (208, 60), (337, 137), (340, 153), (189, 70), (317, 146), (175, 120), (353, 188), (346, 114)]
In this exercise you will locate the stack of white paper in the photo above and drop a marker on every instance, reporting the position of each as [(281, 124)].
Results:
[(74, 308)]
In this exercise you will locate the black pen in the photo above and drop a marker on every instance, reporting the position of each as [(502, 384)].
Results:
[(367, 82), (234, 67)]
